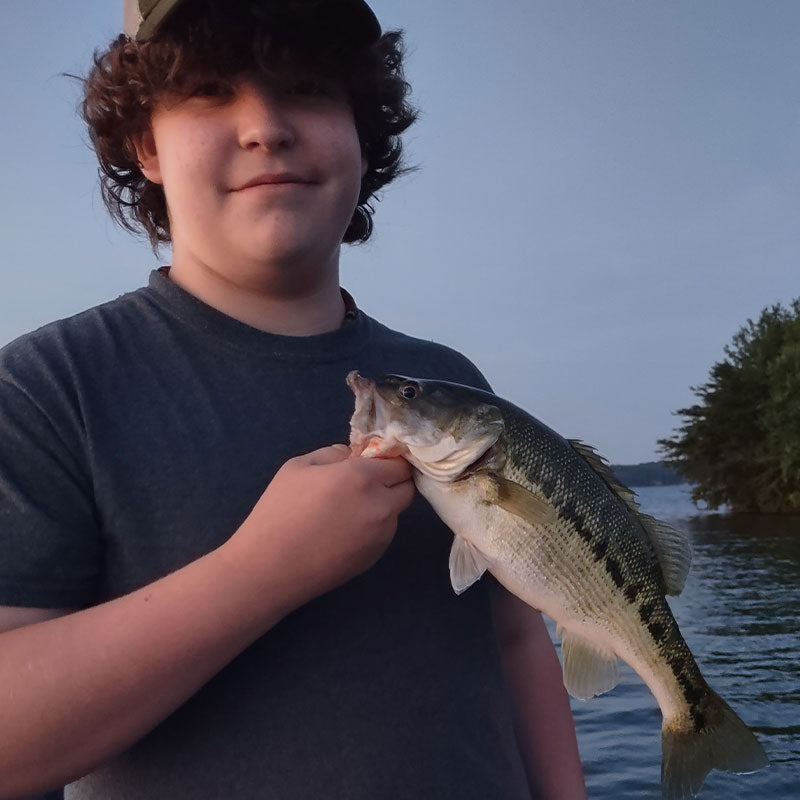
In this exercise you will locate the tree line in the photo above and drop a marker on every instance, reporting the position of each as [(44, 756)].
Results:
[(740, 443)]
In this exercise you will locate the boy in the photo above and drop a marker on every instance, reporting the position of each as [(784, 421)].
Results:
[(174, 629)]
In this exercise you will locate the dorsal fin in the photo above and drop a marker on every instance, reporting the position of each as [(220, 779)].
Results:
[(603, 469), (673, 550), (671, 545)]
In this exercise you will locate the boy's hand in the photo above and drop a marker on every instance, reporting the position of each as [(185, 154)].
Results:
[(326, 517)]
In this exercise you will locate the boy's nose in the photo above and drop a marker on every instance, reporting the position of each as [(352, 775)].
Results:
[(264, 120)]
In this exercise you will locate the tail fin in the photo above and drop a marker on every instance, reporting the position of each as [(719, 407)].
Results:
[(725, 743)]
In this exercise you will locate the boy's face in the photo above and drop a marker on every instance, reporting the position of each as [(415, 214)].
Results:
[(296, 140)]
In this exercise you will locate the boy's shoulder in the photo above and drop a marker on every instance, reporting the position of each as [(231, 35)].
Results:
[(82, 336), (427, 358)]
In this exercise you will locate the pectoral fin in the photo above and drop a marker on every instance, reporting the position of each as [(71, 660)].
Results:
[(467, 564), (588, 671), (522, 503)]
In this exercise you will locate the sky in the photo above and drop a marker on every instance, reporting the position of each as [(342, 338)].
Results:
[(605, 192)]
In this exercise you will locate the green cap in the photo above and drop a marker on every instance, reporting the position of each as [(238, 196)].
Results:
[(142, 18)]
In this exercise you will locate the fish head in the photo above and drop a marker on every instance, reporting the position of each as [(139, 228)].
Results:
[(444, 429)]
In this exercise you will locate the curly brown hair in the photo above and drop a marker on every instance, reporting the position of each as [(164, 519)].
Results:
[(211, 41)]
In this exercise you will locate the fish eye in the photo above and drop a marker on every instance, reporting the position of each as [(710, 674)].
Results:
[(409, 391)]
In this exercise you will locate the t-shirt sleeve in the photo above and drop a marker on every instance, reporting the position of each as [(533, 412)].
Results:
[(478, 380), (49, 536), (460, 369)]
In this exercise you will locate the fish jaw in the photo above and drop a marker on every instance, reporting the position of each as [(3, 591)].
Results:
[(363, 420)]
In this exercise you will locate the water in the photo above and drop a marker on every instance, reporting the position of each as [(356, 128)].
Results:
[(739, 615)]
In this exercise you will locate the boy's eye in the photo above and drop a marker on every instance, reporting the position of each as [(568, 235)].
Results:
[(308, 88), (211, 89), (304, 87)]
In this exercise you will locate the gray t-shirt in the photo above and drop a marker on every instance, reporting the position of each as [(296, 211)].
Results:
[(136, 437)]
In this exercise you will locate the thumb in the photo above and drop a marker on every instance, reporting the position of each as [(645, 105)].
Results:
[(329, 455)]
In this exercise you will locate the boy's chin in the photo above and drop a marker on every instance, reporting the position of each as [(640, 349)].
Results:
[(279, 251), (281, 260)]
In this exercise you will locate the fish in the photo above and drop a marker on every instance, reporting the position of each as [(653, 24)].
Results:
[(548, 519)]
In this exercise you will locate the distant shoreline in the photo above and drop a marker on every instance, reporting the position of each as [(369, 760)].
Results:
[(649, 473)]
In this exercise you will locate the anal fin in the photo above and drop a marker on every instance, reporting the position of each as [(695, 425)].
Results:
[(588, 670)]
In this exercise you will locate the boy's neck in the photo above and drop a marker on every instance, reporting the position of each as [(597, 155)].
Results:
[(280, 307)]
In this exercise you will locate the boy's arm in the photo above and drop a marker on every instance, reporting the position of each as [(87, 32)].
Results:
[(16, 617), (542, 716), (79, 689)]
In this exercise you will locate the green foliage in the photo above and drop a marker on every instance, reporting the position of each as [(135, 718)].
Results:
[(740, 445)]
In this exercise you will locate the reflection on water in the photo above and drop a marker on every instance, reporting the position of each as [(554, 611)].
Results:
[(739, 615)]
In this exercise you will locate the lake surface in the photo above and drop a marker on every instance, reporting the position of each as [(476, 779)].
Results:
[(739, 615)]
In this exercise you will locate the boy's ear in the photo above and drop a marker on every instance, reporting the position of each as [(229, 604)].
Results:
[(147, 156)]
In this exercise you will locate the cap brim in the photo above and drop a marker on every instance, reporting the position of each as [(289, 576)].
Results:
[(360, 13), (154, 19)]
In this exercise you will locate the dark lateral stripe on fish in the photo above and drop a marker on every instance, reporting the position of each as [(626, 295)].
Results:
[(657, 630), (631, 591), (674, 649), (599, 548), (665, 634), (614, 571), (675, 661), (568, 512), (694, 695), (548, 481), (646, 611)]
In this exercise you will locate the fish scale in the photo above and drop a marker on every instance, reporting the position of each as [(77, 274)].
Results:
[(549, 520)]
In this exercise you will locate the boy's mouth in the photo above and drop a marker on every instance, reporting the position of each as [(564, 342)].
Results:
[(274, 179)]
